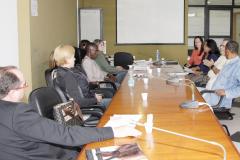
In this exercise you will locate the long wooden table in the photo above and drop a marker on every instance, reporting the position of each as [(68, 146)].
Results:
[(163, 102)]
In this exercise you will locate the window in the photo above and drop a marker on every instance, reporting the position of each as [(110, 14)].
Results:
[(219, 2), (196, 2), (219, 22), (196, 21), (215, 19), (237, 2)]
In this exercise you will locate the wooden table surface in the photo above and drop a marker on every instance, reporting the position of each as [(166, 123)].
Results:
[(163, 102)]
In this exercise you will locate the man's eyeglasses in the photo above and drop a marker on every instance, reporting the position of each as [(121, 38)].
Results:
[(25, 85)]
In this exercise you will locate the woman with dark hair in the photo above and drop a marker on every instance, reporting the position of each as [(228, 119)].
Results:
[(211, 52), (83, 44), (81, 51), (197, 53)]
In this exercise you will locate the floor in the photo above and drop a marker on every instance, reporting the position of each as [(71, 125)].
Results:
[(234, 125)]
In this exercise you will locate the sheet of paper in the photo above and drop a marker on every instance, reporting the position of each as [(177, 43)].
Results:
[(118, 120)]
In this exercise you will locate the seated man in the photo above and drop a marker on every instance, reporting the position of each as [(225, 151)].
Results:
[(26, 135), (93, 71), (227, 82), (104, 65)]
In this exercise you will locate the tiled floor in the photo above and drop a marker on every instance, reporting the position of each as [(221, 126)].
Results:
[(234, 125)]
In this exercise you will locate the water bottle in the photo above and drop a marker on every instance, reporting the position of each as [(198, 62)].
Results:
[(131, 82), (157, 55)]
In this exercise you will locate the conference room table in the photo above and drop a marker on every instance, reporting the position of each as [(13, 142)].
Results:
[(163, 102)]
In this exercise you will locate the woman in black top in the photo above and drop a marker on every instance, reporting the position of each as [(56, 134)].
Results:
[(72, 81)]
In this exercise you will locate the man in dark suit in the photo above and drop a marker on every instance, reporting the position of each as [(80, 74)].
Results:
[(26, 135)]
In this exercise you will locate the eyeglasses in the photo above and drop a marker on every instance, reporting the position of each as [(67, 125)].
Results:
[(25, 85)]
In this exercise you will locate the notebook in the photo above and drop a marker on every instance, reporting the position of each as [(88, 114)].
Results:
[(122, 152)]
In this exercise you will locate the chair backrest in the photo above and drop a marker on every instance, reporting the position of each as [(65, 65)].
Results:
[(43, 99), (62, 95), (123, 59), (48, 77), (77, 56)]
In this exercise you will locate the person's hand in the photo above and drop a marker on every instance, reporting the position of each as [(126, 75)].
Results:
[(194, 69), (119, 68), (197, 72), (111, 78), (98, 97), (220, 92), (125, 131), (208, 63)]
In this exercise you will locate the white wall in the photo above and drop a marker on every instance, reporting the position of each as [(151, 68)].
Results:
[(8, 33)]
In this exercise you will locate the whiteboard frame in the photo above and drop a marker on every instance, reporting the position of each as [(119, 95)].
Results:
[(101, 21), (184, 36)]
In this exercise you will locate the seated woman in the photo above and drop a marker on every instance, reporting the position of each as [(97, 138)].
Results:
[(197, 53), (211, 52), (104, 65), (70, 78), (81, 50)]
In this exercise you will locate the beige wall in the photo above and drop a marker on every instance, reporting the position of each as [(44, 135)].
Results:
[(54, 25), (38, 36), (24, 42), (178, 52)]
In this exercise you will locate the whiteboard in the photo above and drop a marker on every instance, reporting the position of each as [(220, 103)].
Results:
[(90, 20), (150, 21)]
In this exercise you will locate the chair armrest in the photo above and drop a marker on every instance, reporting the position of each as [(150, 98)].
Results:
[(109, 82), (213, 91), (93, 86), (93, 112), (207, 91), (95, 106)]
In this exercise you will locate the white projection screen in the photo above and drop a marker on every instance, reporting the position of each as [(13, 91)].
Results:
[(150, 22)]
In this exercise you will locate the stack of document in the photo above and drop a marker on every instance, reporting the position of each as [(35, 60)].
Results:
[(141, 65), (118, 120)]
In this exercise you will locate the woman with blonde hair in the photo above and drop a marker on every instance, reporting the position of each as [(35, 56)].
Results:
[(70, 78)]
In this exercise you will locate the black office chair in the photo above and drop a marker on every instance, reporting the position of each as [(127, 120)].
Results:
[(48, 77), (45, 98), (220, 112), (77, 55), (123, 59)]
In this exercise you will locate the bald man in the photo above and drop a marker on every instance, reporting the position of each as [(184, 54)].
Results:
[(24, 134)]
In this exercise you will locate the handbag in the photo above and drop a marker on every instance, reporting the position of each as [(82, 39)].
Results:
[(223, 113), (68, 113)]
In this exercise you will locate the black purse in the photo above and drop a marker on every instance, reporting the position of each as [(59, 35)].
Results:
[(223, 113), (68, 114)]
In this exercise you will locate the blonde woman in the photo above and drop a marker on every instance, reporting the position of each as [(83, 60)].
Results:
[(70, 78)]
